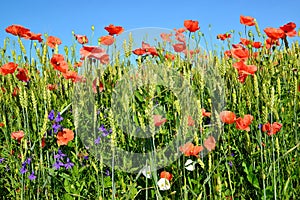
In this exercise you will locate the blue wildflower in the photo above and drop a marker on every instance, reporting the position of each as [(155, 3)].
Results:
[(51, 115), (56, 127), (58, 118), (58, 164), (102, 128), (97, 141), (23, 169), (59, 155), (68, 164), (28, 161), (32, 176), (107, 173), (85, 157)]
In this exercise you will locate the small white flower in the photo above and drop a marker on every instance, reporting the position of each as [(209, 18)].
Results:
[(163, 184), (146, 171), (190, 165)]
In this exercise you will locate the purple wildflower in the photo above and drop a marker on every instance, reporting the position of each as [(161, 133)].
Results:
[(51, 115), (56, 127), (85, 157), (97, 141), (28, 161), (106, 133), (58, 164), (230, 163), (58, 118), (1, 160), (68, 164), (107, 173), (32, 176), (23, 169), (59, 155), (259, 126), (102, 128)]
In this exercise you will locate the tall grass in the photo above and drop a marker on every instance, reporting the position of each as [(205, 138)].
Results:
[(244, 165)]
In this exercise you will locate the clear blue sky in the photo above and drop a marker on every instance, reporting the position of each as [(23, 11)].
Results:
[(59, 18)]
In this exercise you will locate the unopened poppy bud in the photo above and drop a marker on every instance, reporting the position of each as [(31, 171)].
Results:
[(93, 27), (250, 34)]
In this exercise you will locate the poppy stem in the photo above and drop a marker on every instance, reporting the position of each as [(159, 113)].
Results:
[(286, 43)]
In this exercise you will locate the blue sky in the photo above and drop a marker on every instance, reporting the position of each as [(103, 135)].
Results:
[(60, 18)]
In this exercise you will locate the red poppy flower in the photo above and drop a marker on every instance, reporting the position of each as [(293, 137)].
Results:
[(107, 40), (92, 52), (149, 49), (190, 150), (289, 29), (190, 52), (243, 123), (245, 41), (77, 64), (53, 41), (255, 54), (139, 51), (270, 42), (158, 120), (114, 30), (274, 33), (271, 129), (2, 124), (248, 69), (22, 74), (81, 39), (17, 30), (180, 30), (104, 59), (97, 82), (152, 51), (32, 36), (58, 62), (247, 20), (180, 37), (210, 143), (166, 37), (204, 113), (227, 54), (244, 70), (227, 117), (51, 87), (240, 53), (179, 47), (64, 136), (15, 92), (18, 135), (223, 36), (167, 175), (146, 49), (169, 56), (8, 68), (43, 142), (191, 25), (256, 45), (191, 122), (72, 75)]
